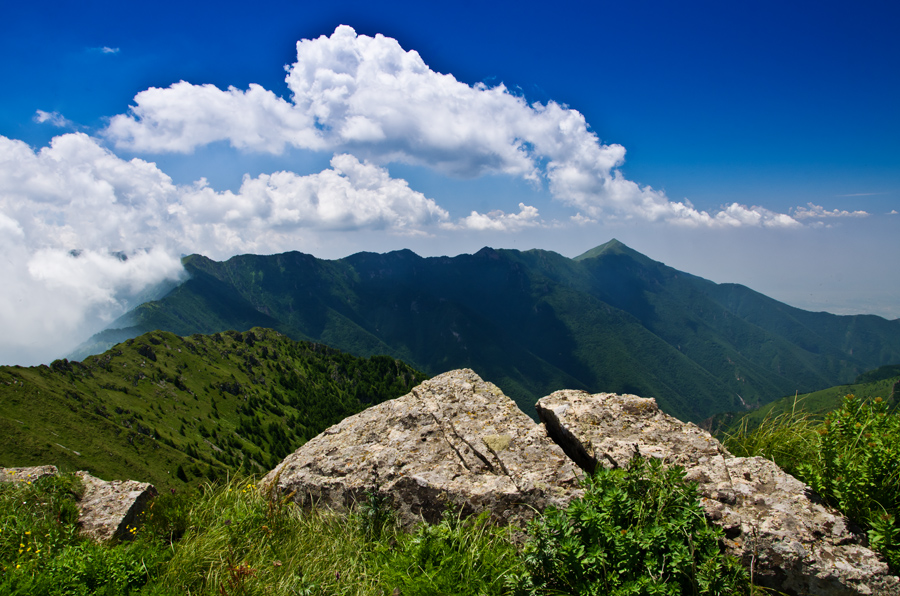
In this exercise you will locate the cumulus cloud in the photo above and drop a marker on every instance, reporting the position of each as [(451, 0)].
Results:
[(498, 221), (370, 97), (813, 211), (82, 231)]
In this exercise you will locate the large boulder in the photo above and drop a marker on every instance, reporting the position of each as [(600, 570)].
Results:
[(772, 521), (455, 441), (111, 509)]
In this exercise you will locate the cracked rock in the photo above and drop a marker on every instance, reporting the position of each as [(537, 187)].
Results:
[(455, 440), (773, 522)]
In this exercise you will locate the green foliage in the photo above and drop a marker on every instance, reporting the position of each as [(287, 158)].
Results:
[(634, 532), (857, 469), (201, 408), (851, 458), (41, 552), (453, 557)]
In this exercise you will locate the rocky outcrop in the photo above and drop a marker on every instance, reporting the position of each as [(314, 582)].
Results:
[(455, 441), (26, 474), (110, 509), (772, 521), (106, 509)]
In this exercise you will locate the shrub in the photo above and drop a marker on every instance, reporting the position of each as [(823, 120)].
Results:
[(639, 530), (857, 469)]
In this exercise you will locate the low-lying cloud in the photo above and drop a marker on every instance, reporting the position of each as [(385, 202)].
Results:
[(84, 231)]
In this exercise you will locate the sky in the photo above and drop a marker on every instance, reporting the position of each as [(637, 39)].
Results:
[(753, 143)]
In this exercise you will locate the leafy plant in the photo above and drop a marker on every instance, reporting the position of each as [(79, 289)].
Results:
[(453, 557), (857, 469), (635, 531)]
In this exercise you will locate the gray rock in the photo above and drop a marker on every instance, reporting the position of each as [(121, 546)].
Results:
[(455, 440), (773, 522), (111, 509), (26, 474), (106, 509)]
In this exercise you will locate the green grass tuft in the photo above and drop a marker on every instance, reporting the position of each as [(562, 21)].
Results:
[(851, 458)]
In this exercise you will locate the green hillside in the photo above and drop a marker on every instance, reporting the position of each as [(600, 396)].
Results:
[(534, 322), (883, 382), (169, 409)]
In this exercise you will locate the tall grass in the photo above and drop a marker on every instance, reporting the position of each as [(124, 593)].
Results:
[(232, 539), (789, 439), (851, 459)]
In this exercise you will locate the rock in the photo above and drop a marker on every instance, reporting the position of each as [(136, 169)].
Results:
[(26, 474), (106, 509), (111, 509), (773, 522), (455, 440)]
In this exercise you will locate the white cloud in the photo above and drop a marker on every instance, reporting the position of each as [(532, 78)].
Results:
[(498, 221), (813, 211), (109, 50), (82, 230), (184, 116), (370, 97), (53, 118)]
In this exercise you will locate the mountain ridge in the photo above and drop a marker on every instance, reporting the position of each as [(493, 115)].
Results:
[(610, 319)]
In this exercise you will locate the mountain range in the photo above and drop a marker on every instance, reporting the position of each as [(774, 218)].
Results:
[(532, 322)]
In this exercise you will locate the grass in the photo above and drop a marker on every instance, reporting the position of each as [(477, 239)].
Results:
[(176, 410), (851, 458), (230, 538), (788, 438)]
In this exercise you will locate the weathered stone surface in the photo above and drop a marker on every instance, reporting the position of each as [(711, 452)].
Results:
[(454, 440), (26, 474), (772, 521), (110, 509)]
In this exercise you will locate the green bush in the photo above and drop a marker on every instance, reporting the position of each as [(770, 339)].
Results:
[(635, 531), (857, 470)]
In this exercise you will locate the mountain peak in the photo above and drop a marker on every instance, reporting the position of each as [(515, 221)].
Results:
[(613, 247)]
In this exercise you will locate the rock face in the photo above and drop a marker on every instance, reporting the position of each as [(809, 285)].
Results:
[(106, 509), (772, 521), (454, 440), (111, 509)]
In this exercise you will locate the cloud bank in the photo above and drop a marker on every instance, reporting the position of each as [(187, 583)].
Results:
[(84, 231), (369, 97)]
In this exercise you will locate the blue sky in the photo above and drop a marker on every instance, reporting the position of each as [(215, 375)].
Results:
[(756, 144)]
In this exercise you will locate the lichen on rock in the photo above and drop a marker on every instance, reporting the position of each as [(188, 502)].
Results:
[(773, 522), (453, 441)]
